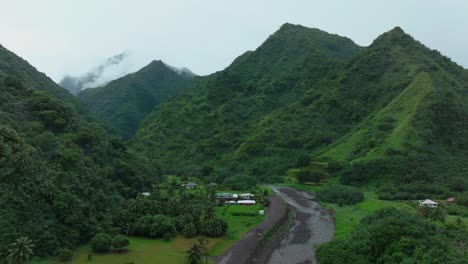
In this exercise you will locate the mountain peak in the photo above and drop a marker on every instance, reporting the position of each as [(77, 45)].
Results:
[(395, 36)]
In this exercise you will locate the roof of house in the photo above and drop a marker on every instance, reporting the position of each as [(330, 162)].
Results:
[(451, 199), (246, 202), (427, 201)]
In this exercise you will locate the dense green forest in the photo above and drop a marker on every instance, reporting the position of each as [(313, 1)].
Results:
[(125, 102), (62, 178), (391, 114)]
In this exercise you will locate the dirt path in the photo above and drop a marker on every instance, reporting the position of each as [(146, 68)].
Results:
[(313, 226), (243, 249)]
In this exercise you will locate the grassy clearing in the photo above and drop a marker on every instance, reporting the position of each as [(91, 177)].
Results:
[(238, 225), (143, 250), (346, 217)]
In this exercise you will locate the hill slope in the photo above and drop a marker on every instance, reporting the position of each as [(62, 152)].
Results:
[(60, 175), (386, 112), (124, 103), (214, 123), (11, 64)]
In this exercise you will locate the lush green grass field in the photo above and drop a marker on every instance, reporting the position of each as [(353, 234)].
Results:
[(143, 250), (238, 225), (346, 217)]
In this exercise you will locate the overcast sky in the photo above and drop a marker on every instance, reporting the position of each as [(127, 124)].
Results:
[(71, 37)]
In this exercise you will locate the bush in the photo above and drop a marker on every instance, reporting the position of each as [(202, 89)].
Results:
[(340, 194), (65, 255), (119, 242), (101, 243), (154, 226)]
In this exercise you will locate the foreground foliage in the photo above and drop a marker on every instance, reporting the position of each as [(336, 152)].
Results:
[(393, 236)]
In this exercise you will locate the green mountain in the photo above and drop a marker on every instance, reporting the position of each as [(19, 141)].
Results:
[(125, 102), (61, 178), (11, 64), (218, 122), (393, 113)]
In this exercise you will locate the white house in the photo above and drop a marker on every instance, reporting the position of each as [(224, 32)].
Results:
[(427, 203), (145, 193), (246, 202), (246, 196)]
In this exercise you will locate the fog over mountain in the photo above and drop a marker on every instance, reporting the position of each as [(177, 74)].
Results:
[(114, 67)]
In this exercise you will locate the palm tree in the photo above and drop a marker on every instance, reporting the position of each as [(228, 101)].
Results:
[(195, 254), (173, 206), (209, 214), (20, 251), (203, 242)]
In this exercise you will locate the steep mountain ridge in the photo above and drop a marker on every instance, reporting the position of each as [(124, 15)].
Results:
[(304, 91), (213, 117), (11, 64), (125, 102)]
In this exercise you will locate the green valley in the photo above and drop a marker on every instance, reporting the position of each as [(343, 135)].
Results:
[(308, 148)]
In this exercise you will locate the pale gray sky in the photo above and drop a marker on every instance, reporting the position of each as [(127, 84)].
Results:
[(71, 37)]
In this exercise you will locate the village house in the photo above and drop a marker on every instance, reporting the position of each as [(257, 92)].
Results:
[(246, 202), (450, 200), (227, 196), (427, 203), (190, 185), (246, 196)]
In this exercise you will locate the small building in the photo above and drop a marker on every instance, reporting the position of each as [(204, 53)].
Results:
[(427, 203), (227, 196), (191, 185), (246, 202), (231, 202), (261, 212), (246, 196), (451, 200), (145, 193)]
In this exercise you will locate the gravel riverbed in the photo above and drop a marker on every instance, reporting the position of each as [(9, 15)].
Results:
[(310, 226)]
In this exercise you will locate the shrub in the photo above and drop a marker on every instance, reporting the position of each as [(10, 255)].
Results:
[(154, 226), (340, 194), (101, 243), (119, 242), (65, 255)]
